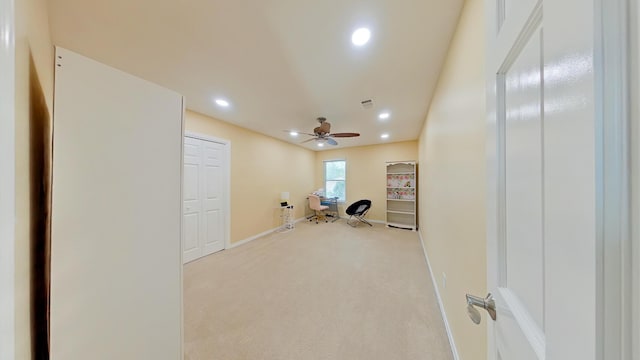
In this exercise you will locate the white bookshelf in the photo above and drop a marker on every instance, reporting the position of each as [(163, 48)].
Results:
[(402, 193)]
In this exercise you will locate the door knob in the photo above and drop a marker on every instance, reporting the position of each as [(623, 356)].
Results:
[(487, 303)]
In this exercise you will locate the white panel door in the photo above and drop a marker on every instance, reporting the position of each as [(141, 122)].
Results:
[(205, 166), (212, 197), (191, 228), (541, 195), (522, 283), (116, 269)]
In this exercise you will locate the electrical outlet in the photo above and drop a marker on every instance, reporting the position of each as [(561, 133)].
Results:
[(444, 280)]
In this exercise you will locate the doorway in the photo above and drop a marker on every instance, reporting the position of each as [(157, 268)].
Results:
[(205, 196)]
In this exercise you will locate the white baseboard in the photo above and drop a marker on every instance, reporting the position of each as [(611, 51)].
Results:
[(347, 218), (250, 239), (258, 236), (454, 349)]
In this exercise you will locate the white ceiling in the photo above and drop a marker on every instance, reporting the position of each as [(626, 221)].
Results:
[(281, 63)]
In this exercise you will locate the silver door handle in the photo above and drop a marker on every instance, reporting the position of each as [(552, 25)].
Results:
[(487, 303)]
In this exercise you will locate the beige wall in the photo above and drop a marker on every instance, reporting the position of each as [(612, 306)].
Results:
[(33, 40), (366, 172), (452, 180), (261, 168)]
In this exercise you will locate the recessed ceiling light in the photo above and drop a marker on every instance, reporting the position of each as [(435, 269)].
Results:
[(222, 102), (293, 133), (360, 36), (384, 116), (320, 144), (384, 136)]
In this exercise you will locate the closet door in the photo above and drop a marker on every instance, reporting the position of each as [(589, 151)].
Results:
[(212, 197), (204, 184), (191, 185)]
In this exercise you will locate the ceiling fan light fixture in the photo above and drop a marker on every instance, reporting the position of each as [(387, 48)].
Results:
[(361, 36)]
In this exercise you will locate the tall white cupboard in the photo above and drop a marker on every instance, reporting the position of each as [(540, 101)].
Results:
[(116, 268)]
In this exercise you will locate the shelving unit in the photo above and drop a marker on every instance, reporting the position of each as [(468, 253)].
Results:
[(288, 223), (402, 194)]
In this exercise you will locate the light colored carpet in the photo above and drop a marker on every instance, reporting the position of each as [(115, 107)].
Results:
[(325, 291)]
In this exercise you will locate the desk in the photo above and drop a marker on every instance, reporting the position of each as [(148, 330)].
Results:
[(332, 203), (332, 212)]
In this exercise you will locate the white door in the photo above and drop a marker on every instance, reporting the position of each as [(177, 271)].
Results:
[(204, 192), (191, 197), (212, 197), (541, 195)]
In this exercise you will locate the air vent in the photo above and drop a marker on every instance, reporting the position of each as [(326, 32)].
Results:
[(367, 104)]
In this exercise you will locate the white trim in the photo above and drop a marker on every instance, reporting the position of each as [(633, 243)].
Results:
[(613, 243), (7, 180), (227, 180), (204, 137), (182, 120), (377, 221), (258, 236), (635, 167), (265, 233), (255, 237), (454, 349)]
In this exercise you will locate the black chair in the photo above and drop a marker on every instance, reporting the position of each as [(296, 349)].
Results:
[(357, 211)]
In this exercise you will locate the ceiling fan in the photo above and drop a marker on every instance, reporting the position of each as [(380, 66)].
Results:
[(323, 133)]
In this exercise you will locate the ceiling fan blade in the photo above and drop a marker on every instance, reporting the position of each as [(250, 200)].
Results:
[(306, 141), (298, 132), (345, 135), (330, 141)]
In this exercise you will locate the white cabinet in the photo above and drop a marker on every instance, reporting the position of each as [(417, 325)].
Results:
[(401, 194), (116, 269)]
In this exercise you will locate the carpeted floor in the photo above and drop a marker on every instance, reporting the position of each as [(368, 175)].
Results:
[(325, 291)]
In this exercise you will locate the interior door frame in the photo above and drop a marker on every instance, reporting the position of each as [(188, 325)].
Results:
[(634, 41), (7, 180), (612, 60), (226, 203)]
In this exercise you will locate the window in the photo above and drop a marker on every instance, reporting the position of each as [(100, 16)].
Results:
[(335, 176)]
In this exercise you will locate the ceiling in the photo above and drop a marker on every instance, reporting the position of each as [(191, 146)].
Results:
[(280, 63)]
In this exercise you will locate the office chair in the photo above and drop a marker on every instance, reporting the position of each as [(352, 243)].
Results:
[(358, 210), (314, 204)]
